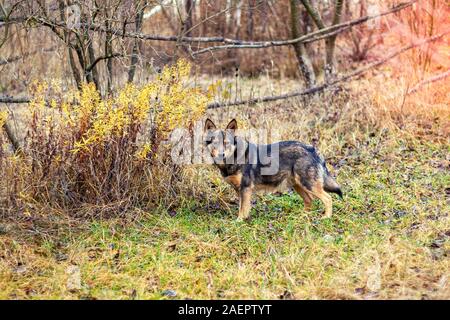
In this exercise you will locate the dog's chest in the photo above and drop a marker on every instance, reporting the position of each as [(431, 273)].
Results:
[(234, 180)]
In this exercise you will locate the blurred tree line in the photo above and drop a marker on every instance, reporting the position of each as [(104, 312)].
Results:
[(111, 42)]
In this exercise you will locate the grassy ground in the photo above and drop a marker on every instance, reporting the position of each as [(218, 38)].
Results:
[(389, 238)]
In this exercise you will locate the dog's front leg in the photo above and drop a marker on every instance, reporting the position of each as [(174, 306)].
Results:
[(245, 203)]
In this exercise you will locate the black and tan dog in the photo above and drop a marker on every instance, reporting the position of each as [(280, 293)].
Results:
[(243, 165)]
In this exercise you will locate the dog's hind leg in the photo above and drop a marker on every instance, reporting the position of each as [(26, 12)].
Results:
[(307, 200), (319, 192)]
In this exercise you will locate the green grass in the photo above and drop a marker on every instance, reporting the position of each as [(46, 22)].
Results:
[(389, 238)]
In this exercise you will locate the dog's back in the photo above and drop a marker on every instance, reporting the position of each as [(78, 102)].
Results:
[(297, 163)]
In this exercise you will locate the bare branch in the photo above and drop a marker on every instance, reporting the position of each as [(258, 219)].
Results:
[(232, 43), (438, 77), (9, 99), (310, 37), (98, 59), (333, 82), (134, 53)]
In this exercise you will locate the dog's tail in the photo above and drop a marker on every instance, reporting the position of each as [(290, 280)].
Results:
[(330, 185)]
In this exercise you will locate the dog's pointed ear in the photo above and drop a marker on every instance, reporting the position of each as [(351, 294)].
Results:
[(232, 125), (209, 125)]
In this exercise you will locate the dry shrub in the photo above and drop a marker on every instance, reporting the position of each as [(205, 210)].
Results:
[(422, 114), (106, 154)]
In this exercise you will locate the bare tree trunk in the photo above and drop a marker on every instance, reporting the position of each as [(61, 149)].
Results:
[(75, 71), (11, 137), (86, 54), (93, 73), (330, 41), (304, 62), (108, 49), (109, 65), (189, 5), (308, 27), (138, 28), (250, 19), (80, 55), (228, 17), (238, 17)]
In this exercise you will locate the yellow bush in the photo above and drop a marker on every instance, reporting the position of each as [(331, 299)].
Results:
[(3, 117), (180, 106), (83, 148)]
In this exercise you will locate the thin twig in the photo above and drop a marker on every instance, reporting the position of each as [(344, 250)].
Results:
[(438, 77), (98, 59)]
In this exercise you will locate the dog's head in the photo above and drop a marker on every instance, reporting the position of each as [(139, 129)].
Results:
[(221, 144)]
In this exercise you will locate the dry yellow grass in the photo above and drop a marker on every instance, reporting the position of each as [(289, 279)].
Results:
[(389, 238)]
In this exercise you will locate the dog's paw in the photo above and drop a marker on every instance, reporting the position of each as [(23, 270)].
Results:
[(243, 219)]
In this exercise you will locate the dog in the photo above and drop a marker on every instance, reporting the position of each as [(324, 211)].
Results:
[(241, 164)]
